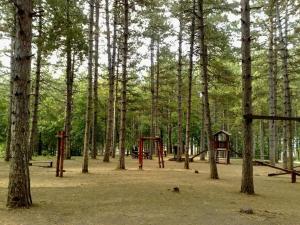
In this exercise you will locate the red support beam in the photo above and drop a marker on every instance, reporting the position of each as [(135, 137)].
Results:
[(141, 142)]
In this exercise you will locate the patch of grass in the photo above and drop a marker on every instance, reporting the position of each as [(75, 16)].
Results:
[(2, 149)]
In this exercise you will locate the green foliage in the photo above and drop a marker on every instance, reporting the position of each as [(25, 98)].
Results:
[(156, 19)]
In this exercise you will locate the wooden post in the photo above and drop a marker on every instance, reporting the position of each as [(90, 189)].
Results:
[(58, 154), (293, 174), (162, 154), (228, 150), (62, 147), (141, 154)]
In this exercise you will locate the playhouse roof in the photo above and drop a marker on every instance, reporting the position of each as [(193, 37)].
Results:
[(223, 132)]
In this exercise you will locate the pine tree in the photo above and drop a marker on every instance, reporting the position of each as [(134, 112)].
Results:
[(89, 107), (19, 194), (247, 172)]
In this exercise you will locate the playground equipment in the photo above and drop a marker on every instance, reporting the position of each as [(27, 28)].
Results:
[(160, 152), (60, 153), (222, 146), (293, 172)]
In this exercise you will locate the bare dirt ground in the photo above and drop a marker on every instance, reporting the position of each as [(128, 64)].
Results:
[(107, 196)]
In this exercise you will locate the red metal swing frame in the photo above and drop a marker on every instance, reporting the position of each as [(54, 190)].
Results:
[(160, 151)]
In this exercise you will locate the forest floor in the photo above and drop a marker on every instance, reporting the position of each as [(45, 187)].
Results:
[(107, 196)]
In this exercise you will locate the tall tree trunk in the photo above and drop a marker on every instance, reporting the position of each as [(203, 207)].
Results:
[(111, 88), (152, 80), (261, 140), (9, 124), (69, 81), (96, 75), (287, 148), (115, 57), (272, 86), (169, 148), (204, 73), (247, 185), (203, 136), (124, 85), (156, 129), (19, 179), (33, 138), (190, 83), (89, 108), (277, 137), (180, 84), (287, 95), (116, 108)]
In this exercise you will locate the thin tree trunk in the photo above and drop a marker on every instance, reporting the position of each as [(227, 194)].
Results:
[(247, 185), (203, 136), (96, 75), (156, 129), (124, 85), (204, 63), (111, 88), (180, 84), (116, 109), (33, 138), (261, 140), (272, 86), (277, 145), (287, 95), (287, 148), (254, 146), (69, 81), (89, 108), (152, 80), (19, 179), (169, 148), (190, 83), (114, 69)]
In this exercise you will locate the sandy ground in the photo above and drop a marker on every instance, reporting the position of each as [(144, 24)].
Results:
[(107, 196)]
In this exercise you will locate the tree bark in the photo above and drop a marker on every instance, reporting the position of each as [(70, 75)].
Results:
[(19, 179), (272, 86), (115, 57), (288, 145), (33, 138), (116, 108), (287, 96), (111, 88), (9, 124), (124, 85), (261, 140), (190, 83), (169, 148), (89, 108), (247, 185), (156, 128), (180, 84), (96, 75), (69, 83), (203, 136), (152, 80), (204, 73)]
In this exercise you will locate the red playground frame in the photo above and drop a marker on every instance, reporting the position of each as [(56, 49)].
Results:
[(160, 151)]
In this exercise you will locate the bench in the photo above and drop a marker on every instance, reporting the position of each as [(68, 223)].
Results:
[(41, 163)]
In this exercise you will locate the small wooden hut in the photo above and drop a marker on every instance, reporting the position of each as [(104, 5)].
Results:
[(222, 146)]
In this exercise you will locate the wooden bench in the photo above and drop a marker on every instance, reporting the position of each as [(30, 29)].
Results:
[(41, 163)]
